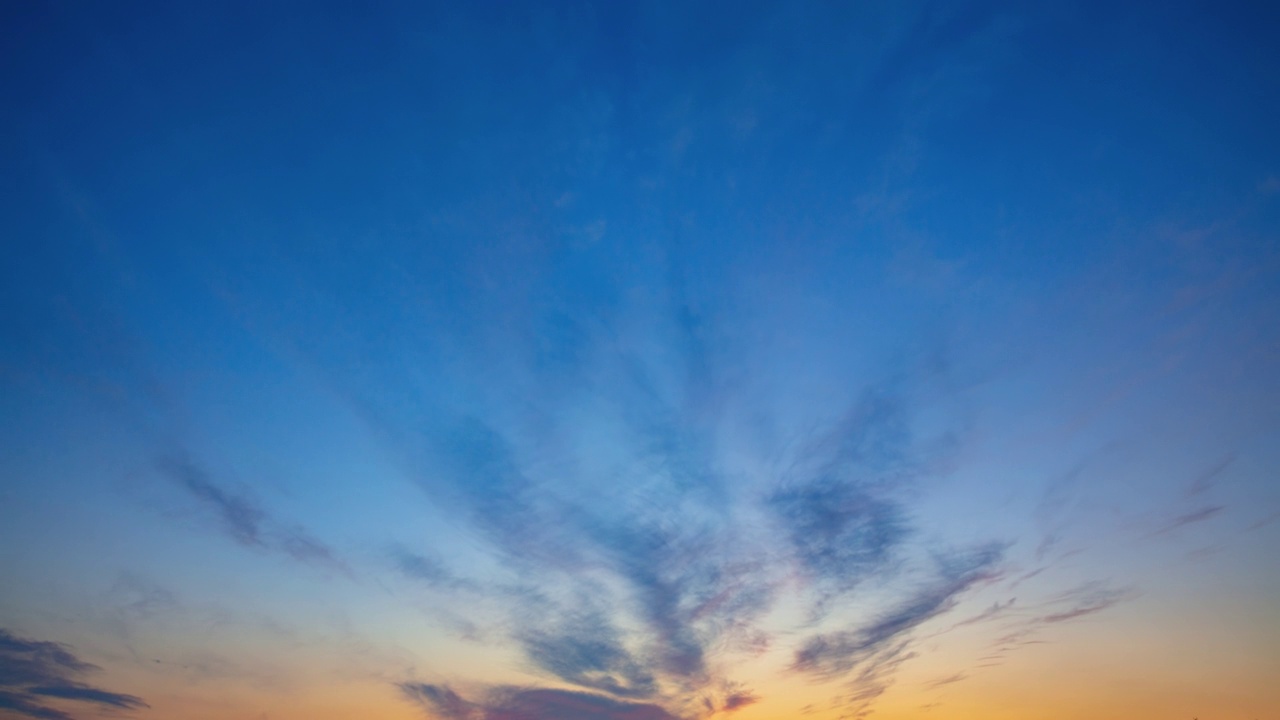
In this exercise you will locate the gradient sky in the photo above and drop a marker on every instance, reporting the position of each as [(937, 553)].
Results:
[(639, 361)]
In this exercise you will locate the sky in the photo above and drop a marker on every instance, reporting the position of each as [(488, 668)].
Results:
[(639, 361)]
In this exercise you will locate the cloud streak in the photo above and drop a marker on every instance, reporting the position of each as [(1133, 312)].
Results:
[(244, 521), (995, 610), (428, 570), (830, 655), (587, 651), (1083, 601), (32, 672), (528, 704), (241, 520), (1208, 479), (950, 679), (1195, 516), (1094, 600)]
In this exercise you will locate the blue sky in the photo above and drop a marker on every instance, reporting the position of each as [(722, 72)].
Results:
[(662, 360)]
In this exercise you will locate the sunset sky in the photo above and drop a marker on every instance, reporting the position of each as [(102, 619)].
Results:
[(639, 360)]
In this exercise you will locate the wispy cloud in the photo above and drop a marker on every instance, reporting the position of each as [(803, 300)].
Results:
[(950, 679), (1029, 575), (33, 672), (840, 507), (484, 476), (834, 654), (439, 700), (1196, 516), (428, 570), (242, 519), (1265, 521), (525, 704), (1083, 601), (840, 531), (1087, 601), (586, 650), (995, 610), (874, 678), (738, 699), (1210, 477)]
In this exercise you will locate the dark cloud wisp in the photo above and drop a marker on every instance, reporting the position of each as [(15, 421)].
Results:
[(587, 651), (32, 672), (242, 519), (529, 704), (834, 654)]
